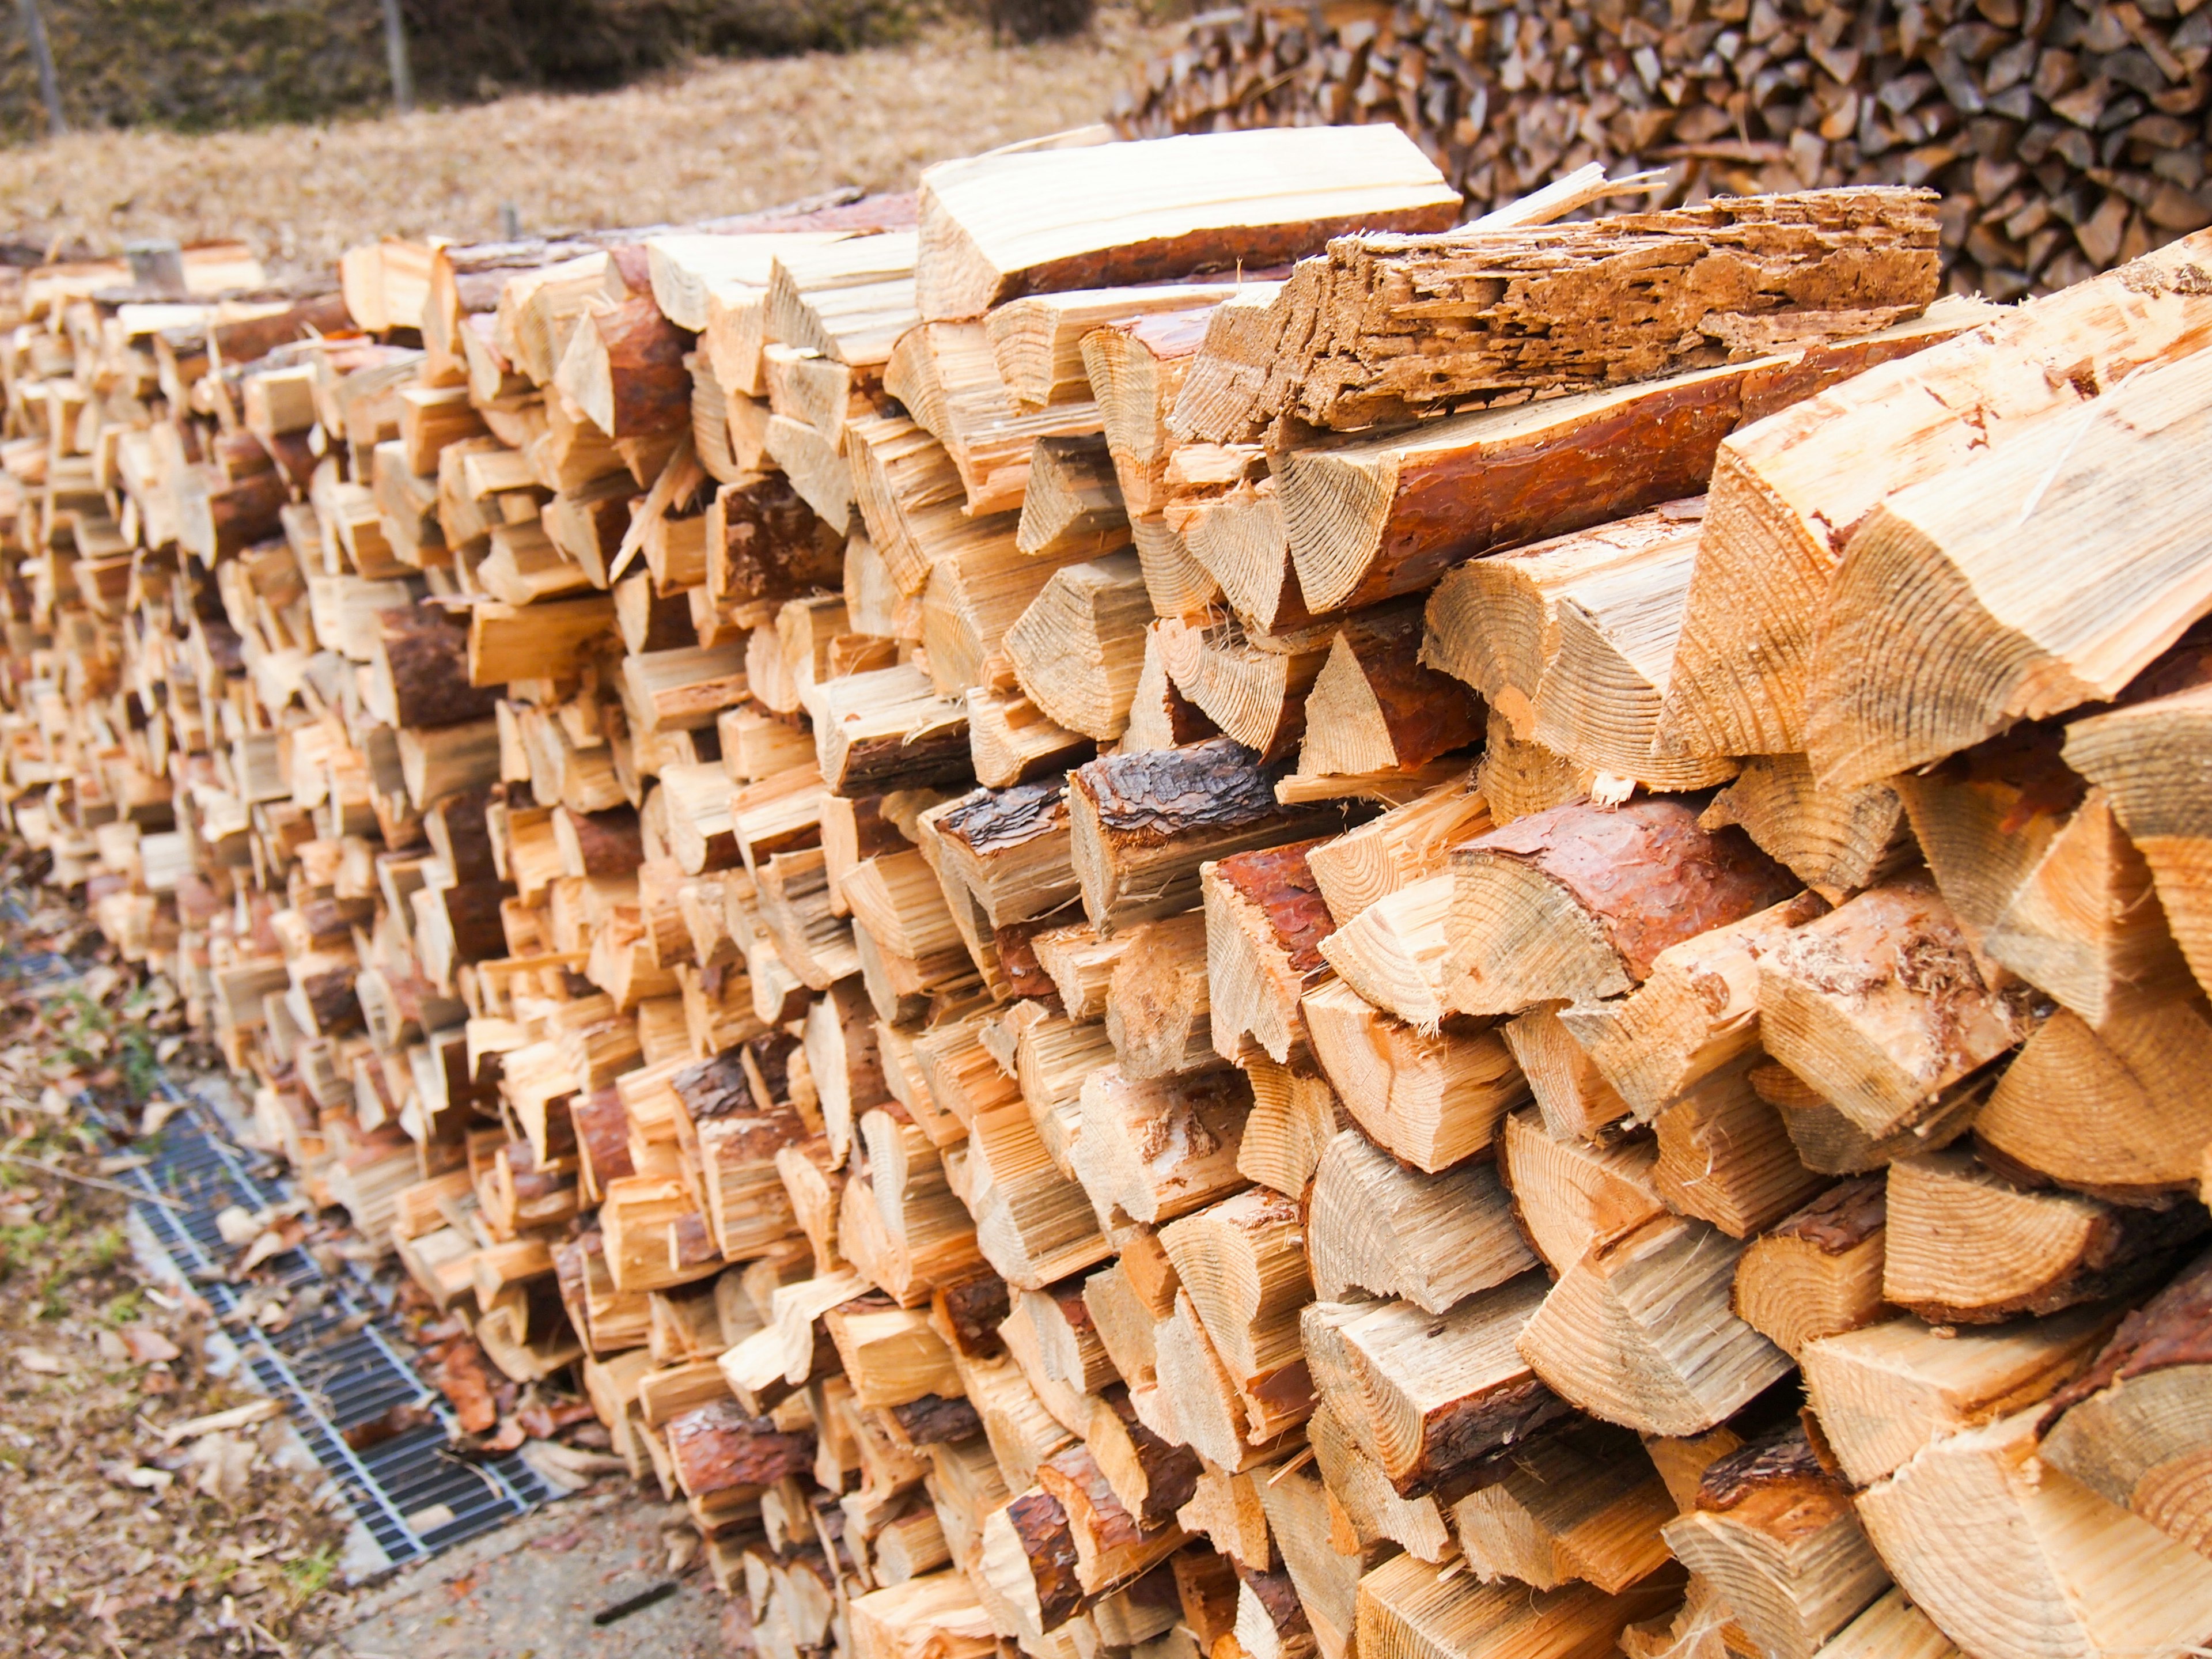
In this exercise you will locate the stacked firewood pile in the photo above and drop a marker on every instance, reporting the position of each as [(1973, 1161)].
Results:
[(2066, 136), (1162, 912)]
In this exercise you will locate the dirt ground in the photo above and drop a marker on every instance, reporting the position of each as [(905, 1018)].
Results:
[(126, 1524), (717, 138), (132, 1525)]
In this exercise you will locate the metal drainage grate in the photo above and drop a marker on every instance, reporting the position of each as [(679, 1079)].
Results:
[(335, 1364)]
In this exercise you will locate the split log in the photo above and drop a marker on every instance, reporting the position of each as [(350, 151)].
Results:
[(2122, 1111), (1914, 1014), (1787, 491), (719, 1446), (1494, 622), (2133, 1428), (2032, 1598), (1431, 1398), (1407, 1609), (1373, 1226), (1377, 859), (1373, 707), (1037, 340), (1942, 626), (1396, 953), (1584, 1505), (1725, 1156), (1145, 823), (1639, 1332), (1386, 516), (1294, 1117), (1577, 902), (1432, 1100), (1132, 212), (1571, 1194), (419, 671), (1886, 1390), (2142, 758), (1775, 1535), (1264, 921), (1966, 1246), (1079, 647), (1835, 840), (1576, 1101), (1817, 1272), (1544, 307), (1157, 1015), (1242, 1269), (1072, 505), (1696, 1011), (888, 729)]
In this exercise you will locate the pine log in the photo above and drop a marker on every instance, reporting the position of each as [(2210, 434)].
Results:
[(1835, 840), (1374, 1226), (1133, 213), (1775, 1535), (1146, 823), (1037, 341), (1966, 1246), (1816, 1273), (1914, 1014), (1639, 1332), (1542, 910), (1135, 370), (2133, 1427), (1546, 306), (888, 729), (1788, 491), (1244, 1271)]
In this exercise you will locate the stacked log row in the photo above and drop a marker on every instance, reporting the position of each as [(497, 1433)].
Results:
[(1149, 907), (2066, 138)]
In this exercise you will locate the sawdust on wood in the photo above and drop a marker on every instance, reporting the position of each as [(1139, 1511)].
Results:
[(715, 138)]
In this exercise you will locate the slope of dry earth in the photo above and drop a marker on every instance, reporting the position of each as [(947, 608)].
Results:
[(717, 138)]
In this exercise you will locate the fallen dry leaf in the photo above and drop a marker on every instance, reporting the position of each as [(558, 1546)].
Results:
[(148, 1346), (38, 1360), (224, 1464)]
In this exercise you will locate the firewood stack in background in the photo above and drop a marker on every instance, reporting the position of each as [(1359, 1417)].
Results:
[(1157, 910), (2065, 138)]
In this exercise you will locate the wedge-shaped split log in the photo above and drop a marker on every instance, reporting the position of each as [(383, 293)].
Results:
[(1579, 901), (1882, 1005), (1967, 1246), (1639, 1332), (1374, 1226), (1775, 1534), (2075, 1575), (2137, 1427)]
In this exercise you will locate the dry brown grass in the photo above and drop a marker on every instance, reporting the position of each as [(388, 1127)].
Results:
[(717, 138)]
